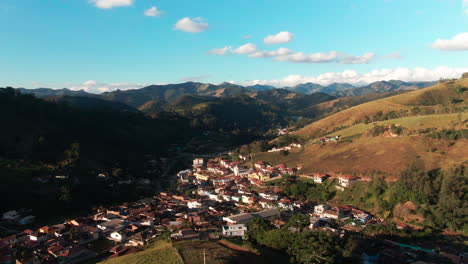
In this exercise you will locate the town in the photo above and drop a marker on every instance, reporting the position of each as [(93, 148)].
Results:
[(215, 198)]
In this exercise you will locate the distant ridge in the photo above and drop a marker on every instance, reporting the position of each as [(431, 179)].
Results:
[(172, 91)]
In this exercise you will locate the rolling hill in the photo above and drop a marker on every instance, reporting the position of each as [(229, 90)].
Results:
[(435, 99), (420, 114)]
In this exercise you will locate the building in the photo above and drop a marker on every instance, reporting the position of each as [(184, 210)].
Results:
[(245, 218), (237, 230), (198, 163), (320, 178), (346, 181), (314, 222), (319, 209)]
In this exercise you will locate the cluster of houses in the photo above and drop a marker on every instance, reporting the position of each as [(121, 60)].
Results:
[(221, 172), (325, 140), (214, 198), (286, 148)]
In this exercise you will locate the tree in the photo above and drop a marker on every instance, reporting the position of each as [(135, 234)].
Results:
[(244, 150), (298, 222), (314, 247), (256, 228), (65, 194)]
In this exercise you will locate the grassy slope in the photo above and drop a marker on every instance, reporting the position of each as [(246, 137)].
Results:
[(192, 253), (412, 122), (367, 154), (392, 155), (406, 101), (158, 252)]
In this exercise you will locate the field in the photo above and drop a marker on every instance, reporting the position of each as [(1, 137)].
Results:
[(192, 253), (412, 122), (158, 252)]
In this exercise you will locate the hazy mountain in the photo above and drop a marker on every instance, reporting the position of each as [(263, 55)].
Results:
[(381, 87), (47, 92), (307, 88), (260, 87)]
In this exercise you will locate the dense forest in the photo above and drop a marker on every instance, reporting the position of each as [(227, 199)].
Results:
[(42, 140)]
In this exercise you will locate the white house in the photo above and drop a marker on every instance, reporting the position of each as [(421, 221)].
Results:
[(319, 209), (346, 181), (237, 230), (320, 178), (193, 204), (269, 196), (117, 236), (198, 162)]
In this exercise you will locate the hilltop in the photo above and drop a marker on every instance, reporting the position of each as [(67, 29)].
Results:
[(435, 99), (431, 125)]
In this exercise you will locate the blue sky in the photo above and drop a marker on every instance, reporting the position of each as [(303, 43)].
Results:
[(103, 45)]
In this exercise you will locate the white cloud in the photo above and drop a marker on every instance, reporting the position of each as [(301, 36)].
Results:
[(246, 49), (300, 57), (281, 37), (356, 78), (195, 25), (351, 59), (247, 36), (92, 86), (395, 55), (457, 43), (274, 53), (106, 4), (153, 12), (220, 51)]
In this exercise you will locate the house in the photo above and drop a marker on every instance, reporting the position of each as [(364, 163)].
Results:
[(319, 209), (269, 196), (346, 181), (201, 176), (139, 239), (314, 222), (267, 204), (193, 204), (184, 175), (237, 230), (285, 204), (295, 145), (241, 172), (320, 177), (115, 224), (331, 214), (198, 163), (186, 234), (259, 165), (117, 236), (243, 157)]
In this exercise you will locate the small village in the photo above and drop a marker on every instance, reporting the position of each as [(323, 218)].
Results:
[(214, 199)]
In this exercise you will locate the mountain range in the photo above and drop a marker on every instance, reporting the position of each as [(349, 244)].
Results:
[(170, 92)]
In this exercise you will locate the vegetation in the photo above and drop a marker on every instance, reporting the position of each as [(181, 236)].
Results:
[(303, 247), (440, 197), (46, 139), (157, 252), (450, 134)]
